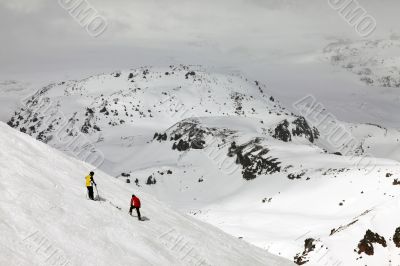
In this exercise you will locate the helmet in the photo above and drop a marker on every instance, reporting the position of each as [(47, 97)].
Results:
[(91, 173)]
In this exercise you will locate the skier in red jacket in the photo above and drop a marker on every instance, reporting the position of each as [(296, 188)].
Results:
[(135, 204)]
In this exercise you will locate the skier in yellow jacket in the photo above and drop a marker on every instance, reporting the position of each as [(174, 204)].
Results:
[(89, 184)]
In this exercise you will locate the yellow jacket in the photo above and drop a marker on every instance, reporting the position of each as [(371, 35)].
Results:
[(88, 181)]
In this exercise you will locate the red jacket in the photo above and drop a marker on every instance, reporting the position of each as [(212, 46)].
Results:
[(135, 201)]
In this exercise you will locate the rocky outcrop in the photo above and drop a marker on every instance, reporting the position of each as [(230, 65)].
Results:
[(366, 244), (293, 176), (160, 136), (282, 131), (151, 181), (302, 129), (251, 156), (309, 246), (285, 130), (190, 134)]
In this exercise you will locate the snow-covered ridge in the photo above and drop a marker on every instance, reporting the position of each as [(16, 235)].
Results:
[(130, 106), (372, 60), (46, 218)]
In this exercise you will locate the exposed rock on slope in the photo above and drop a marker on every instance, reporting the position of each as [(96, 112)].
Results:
[(299, 127), (366, 244), (253, 159)]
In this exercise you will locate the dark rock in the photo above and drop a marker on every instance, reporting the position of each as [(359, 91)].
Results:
[(151, 181), (303, 129), (86, 126), (252, 161), (191, 73), (160, 137), (396, 237), (282, 131), (176, 137), (309, 246), (197, 144), (366, 244), (89, 111), (181, 146), (293, 176), (300, 129)]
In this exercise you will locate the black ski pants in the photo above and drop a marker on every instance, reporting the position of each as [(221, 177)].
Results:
[(90, 192), (137, 211)]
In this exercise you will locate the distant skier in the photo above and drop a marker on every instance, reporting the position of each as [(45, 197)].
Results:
[(135, 204), (89, 184)]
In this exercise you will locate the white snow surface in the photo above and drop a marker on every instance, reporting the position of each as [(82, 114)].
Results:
[(313, 193), (46, 218)]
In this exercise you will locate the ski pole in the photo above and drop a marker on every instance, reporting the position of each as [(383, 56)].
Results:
[(98, 195)]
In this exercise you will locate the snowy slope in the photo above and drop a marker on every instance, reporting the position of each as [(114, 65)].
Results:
[(221, 148), (272, 193), (46, 219)]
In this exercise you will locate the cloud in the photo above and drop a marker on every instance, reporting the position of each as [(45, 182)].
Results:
[(39, 35), (23, 6)]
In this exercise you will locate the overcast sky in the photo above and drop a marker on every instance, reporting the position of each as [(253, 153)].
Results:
[(40, 38)]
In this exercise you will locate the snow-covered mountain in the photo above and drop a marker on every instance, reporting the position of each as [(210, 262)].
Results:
[(222, 148), (46, 219), (126, 108), (11, 92), (376, 62)]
